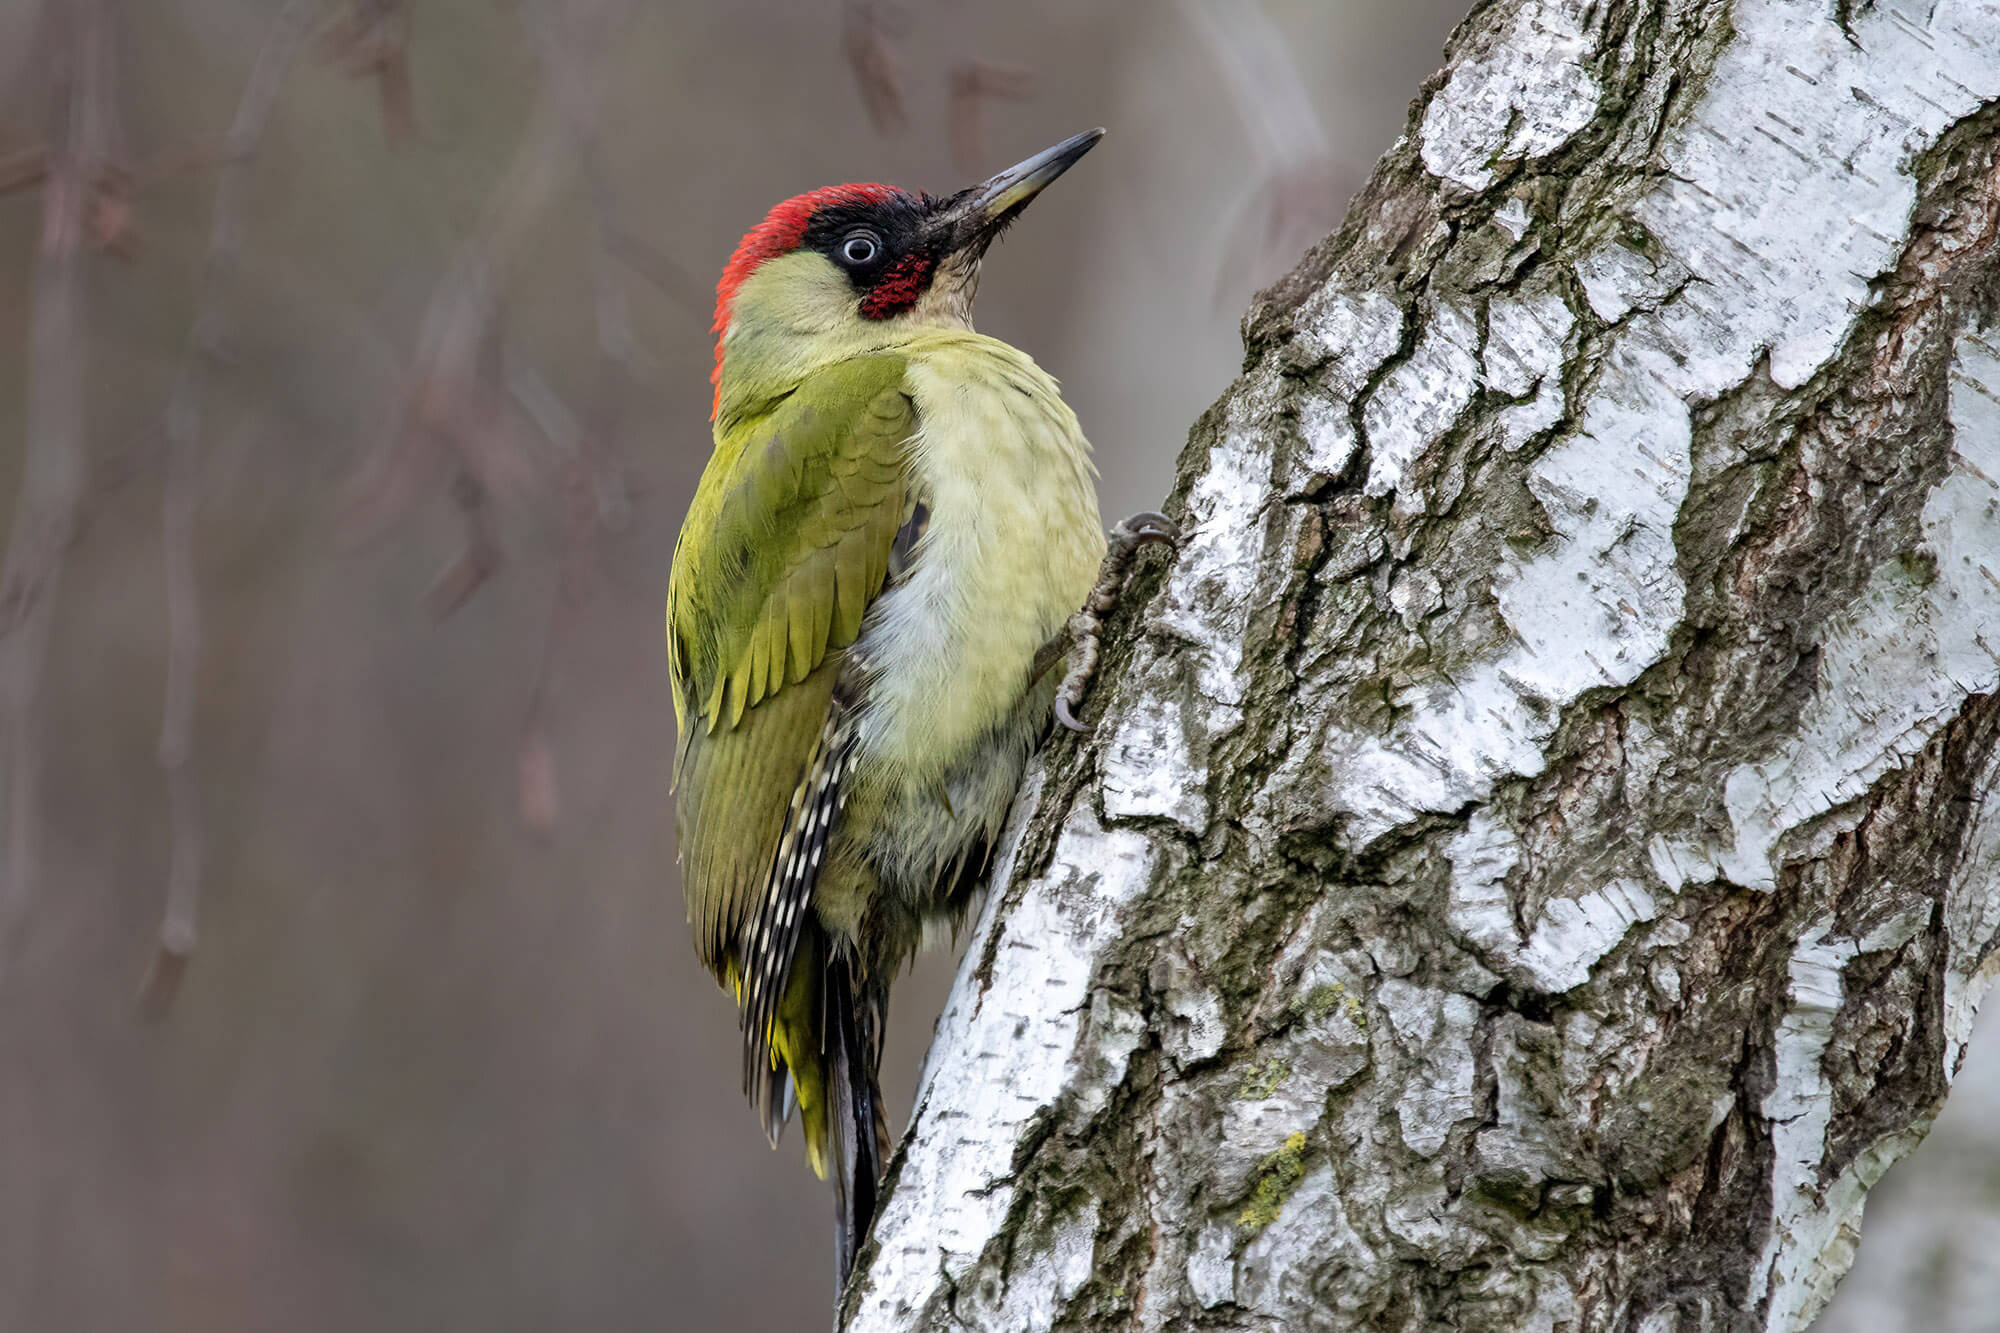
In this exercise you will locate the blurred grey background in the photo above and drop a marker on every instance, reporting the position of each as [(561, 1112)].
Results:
[(444, 1058), (1930, 1238)]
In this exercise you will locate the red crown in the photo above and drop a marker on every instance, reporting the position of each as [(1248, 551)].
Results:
[(778, 234)]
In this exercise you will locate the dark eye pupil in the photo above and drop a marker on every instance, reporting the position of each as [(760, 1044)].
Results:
[(858, 250)]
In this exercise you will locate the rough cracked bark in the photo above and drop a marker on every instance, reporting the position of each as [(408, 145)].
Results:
[(1539, 854)]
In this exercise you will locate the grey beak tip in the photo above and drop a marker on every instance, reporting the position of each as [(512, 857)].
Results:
[(1081, 143)]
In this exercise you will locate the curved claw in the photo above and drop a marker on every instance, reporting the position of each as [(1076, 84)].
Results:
[(1150, 527), (1065, 716)]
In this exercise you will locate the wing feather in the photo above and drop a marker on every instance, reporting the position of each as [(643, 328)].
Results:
[(785, 546)]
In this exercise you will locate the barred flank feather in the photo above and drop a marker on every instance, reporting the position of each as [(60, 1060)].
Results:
[(846, 1013), (770, 942)]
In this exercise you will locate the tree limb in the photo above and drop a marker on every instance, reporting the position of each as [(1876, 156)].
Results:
[(1539, 859)]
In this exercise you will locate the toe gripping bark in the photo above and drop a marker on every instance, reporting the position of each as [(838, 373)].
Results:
[(1079, 638)]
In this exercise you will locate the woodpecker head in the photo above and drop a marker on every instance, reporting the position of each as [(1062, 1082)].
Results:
[(852, 268)]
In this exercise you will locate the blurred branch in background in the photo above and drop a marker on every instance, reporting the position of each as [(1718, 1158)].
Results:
[(570, 41), (476, 407), (866, 27), (371, 39), (204, 354), (1298, 198), (454, 410), (74, 44), (974, 83), (21, 168), (649, 262)]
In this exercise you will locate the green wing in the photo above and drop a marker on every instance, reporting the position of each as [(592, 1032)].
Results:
[(787, 542)]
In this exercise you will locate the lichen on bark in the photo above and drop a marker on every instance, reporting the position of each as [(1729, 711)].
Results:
[(1535, 860)]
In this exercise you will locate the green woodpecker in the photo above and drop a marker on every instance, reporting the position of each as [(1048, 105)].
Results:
[(870, 592)]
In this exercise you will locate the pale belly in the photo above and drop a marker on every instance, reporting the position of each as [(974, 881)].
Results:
[(948, 714)]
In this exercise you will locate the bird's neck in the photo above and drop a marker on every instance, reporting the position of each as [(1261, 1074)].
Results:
[(759, 367), (762, 363)]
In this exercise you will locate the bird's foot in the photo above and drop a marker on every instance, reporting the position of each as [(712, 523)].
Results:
[(1079, 638)]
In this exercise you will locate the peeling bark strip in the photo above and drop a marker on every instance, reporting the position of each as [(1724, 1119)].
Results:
[(1540, 854)]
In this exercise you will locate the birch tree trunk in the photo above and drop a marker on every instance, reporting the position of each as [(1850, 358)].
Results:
[(1538, 855)]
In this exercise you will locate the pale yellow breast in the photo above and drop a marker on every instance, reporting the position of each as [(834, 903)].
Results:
[(1011, 550)]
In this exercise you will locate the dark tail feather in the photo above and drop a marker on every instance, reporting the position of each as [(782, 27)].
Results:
[(859, 1129)]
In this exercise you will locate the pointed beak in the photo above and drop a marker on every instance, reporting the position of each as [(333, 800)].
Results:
[(1005, 195), (981, 213)]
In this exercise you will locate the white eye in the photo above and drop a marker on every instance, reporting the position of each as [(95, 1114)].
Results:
[(859, 248)]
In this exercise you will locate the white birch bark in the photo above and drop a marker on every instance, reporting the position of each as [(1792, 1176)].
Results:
[(1539, 853)]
